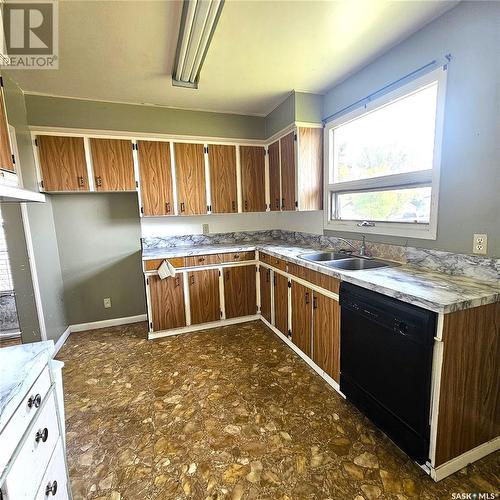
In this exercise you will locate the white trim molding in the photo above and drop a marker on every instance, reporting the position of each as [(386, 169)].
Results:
[(105, 323), (61, 340)]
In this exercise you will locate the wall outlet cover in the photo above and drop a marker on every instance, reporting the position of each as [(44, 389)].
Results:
[(107, 302), (480, 244)]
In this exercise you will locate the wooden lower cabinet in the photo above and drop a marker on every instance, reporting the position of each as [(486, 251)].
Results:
[(281, 303), (167, 302), (240, 291), (302, 317), (265, 293), (326, 334), (204, 296)]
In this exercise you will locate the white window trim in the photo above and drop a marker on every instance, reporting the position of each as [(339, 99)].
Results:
[(422, 231)]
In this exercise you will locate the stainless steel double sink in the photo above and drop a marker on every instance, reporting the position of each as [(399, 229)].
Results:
[(346, 261)]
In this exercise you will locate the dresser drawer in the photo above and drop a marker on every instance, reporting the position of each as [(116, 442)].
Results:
[(24, 477), (54, 485), (24, 414), (203, 260), (238, 256)]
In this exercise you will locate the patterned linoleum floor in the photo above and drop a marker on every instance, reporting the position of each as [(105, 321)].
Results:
[(226, 413)]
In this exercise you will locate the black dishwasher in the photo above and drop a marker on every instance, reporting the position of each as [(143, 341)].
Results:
[(386, 363)]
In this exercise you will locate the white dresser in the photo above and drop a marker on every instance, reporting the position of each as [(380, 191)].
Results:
[(32, 443)]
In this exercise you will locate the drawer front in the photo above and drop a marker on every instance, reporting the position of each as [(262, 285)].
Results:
[(238, 256), (26, 411), (54, 485), (203, 260), (153, 265), (273, 261), (24, 477), (263, 257), (315, 277)]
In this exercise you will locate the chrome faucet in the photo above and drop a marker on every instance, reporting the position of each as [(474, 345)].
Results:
[(362, 250)]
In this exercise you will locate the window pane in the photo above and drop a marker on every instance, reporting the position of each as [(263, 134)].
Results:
[(396, 205), (396, 138)]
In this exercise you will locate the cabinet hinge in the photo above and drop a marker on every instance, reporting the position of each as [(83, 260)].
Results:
[(220, 312), (147, 281), (289, 284), (142, 210), (294, 137), (13, 160), (41, 184), (36, 142), (219, 274), (135, 147), (1, 81), (289, 334), (136, 184), (151, 325), (205, 149), (208, 208)]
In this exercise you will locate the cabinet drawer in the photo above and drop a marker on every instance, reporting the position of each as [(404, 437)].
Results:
[(238, 256), (26, 411), (315, 277), (273, 261), (153, 265), (54, 485), (26, 473), (203, 260)]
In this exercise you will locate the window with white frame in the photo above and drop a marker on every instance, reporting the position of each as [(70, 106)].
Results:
[(382, 162)]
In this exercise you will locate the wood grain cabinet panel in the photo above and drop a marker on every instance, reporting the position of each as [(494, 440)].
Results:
[(287, 145), (238, 256), (326, 334), (113, 164), (154, 264), (310, 168), (167, 302), (6, 159), (190, 175), (253, 181), (222, 161), (281, 303), (62, 163), (204, 296), (274, 176), (239, 291), (156, 177), (265, 293), (302, 317)]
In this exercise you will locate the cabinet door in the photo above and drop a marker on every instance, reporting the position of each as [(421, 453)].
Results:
[(113, 164), (156, 177), (222, 161), (167, 302), (6, 160), (253, 183), (281, 303), (63, 166), (204, 296), (288, 171), (274, 175), (190, 175), (310, 168), (301, 317), (239, 291), (326, 334), (265, 293)]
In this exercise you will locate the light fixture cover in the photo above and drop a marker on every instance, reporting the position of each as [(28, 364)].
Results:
[(198, 23)]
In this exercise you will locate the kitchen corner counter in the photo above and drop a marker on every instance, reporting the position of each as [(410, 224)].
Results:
[(435, 291)]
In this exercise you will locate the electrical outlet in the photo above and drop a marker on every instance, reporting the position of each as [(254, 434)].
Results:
[(107, 302), (205, 229), (480, 245)]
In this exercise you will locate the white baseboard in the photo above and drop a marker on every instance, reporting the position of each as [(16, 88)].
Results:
[(94, 325), (62, 339), (466, 458)]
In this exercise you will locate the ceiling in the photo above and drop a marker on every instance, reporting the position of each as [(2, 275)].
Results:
[(124, 50)]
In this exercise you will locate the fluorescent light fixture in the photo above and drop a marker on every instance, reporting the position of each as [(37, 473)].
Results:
[(198, 23)]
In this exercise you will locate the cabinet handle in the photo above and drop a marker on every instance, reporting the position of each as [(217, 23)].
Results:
[(277, 203), (51, 488), (201, 259), (192, 279), (307, 298), (98, 181), (35, 401), (42, 435), (167, 207), (177, 281), (315, 302), (236, 256), (246, 205), (81, 182), (183, 207)]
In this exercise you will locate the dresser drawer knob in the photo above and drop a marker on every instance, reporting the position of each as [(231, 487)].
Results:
[(51, 488), (35, 401), (42, 435)]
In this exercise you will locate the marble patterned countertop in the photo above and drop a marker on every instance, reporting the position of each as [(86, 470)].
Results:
[(435, 291), (20, 366)]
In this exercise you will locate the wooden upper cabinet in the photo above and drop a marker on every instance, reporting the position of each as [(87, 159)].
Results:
[(113, 164), (6, 155), (63, 166), (253, 178), (281, 303), (156, 177), (310, 168), (167, 302), (222, 161), (204, 296), (239, 291), (288, 195), (190, 174), (274, 176)]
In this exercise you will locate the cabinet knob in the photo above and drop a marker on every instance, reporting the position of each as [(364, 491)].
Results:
[(51, 488), (42, 435), (35, 401), (201, 259), (236, 256)]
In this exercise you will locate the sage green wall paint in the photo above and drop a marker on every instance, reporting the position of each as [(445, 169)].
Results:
[(308, 107), (281, 116), (43, 235), (77, 113), (469, 195), (100, 251)]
